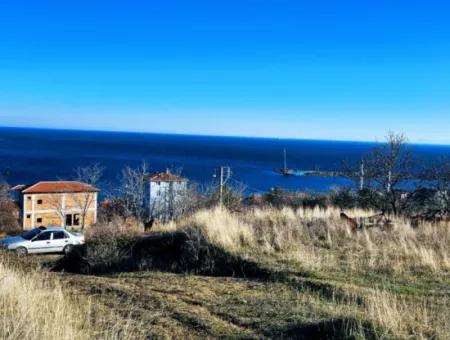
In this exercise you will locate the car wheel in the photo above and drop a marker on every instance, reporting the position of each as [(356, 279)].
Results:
[(68, 249), (22, 251)]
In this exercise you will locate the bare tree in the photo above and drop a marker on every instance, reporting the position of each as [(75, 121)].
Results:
[(189, 200), (56, 202), (8, 219), (232, 195), (387, 168), (132, 191), (91, 176), (436, 177)]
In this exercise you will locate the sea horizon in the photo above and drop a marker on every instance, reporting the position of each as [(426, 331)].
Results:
[(374, 141), (29, 155)]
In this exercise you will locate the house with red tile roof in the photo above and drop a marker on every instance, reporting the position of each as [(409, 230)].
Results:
[(70, 204)]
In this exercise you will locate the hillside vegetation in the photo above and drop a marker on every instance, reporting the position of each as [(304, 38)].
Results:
[(261, 273)]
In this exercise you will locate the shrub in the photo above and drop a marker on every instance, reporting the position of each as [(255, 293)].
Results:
[(9, 223)]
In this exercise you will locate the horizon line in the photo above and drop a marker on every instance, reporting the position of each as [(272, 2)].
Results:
[(447, 144)]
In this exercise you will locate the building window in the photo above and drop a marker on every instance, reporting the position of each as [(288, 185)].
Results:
[(72, 220), (28, 216), (28, 198), (39, 201), (39, 220), (69, 220), (76, 219)]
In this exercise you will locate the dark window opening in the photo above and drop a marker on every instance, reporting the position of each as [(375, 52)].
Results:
[(69, 220), (28, 216), (72, 220), (39, 220), (76, 219), (39, 201)]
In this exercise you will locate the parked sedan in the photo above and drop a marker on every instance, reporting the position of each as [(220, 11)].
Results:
[(43, 240)]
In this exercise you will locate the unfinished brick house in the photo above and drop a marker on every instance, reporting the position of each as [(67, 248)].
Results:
[(60, 203)]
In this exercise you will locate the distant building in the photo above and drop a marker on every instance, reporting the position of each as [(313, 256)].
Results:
[(166, 195), (60, 203)]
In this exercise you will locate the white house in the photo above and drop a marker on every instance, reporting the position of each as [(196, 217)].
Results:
[(166, 196)]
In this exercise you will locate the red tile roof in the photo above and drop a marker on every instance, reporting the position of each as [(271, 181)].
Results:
[(59, 187), (165, 177)]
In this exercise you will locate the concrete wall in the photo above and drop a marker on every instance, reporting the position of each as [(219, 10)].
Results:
[(165, 197), (52, 208)]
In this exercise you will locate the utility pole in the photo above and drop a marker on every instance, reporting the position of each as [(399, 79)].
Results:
[(225, 174), (361, 178)]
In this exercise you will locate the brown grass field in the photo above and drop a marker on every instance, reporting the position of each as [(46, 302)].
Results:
[(324, 281)]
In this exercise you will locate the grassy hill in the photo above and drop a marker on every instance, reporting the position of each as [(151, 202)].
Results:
[(262, 273)]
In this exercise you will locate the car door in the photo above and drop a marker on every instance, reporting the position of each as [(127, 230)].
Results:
[(59, 240), (41, 243)]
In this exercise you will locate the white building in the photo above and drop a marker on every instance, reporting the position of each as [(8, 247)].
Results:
[(167, 195)]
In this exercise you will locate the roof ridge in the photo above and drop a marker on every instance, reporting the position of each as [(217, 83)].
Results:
[(71, 186)]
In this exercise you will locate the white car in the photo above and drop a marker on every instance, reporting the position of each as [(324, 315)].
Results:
[(43, 240)]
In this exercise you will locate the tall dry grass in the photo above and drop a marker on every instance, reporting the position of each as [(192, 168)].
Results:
[(319, 241), (319, 238), (35, 305)]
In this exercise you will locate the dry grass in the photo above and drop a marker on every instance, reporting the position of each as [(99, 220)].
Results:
[(380, 282), (413, 263), (35, 305), (319, 239)]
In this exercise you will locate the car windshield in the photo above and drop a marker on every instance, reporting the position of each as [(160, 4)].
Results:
[(32, 233)]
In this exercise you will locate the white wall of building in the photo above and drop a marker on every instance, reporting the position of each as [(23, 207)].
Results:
[(165, 198)]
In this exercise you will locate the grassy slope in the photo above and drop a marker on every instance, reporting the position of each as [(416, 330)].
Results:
[(329, 286), (166, 304)]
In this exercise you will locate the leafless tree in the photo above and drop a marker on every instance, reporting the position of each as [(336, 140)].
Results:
[(8, 218), (91, 176), (56, 202), (190, 199), (180, 200), (132, 191), (436, 180), (232, 195), (386, 168)]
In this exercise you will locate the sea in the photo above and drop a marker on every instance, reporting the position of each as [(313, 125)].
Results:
[(31, 155)]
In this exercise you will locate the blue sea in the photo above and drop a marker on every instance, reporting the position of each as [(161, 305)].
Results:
[(30, 155)]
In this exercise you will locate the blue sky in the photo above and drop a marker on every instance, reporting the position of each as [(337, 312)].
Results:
[(317, 69)]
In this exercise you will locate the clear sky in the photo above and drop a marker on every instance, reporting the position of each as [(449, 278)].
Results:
[(304, 69)]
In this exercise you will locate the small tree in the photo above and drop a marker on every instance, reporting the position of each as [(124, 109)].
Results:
[(56, 203), (386, 169), (435, 193), (132, 191), (186, 200), (89, 175), (343, 198), (9, 223), (231, 196)]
